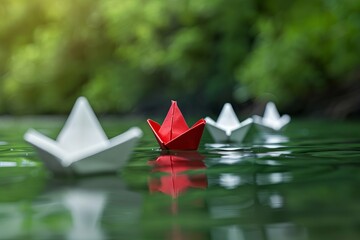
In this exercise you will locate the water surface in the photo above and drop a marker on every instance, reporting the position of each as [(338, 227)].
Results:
[(302, 183)]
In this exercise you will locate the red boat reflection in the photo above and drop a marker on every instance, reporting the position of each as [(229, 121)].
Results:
[(177, 181)]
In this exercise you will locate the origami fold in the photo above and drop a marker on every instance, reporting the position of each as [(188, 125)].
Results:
[(271, 119), (177, 181), (174, 133), (228, 128), (82, 147)]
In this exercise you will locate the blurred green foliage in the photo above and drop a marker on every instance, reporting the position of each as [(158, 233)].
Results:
[(122, 54), (302, 48)]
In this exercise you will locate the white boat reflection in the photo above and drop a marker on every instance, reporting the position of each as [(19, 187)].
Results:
[(273, 178), (227, 154), (227, 160), (260, 213), (12, 220), (233, 180), (274, 144), (273, 231), (86, 208), (267, 145), (230, 181), (274, 200), (224, 147), (231, 206), (74, 210)]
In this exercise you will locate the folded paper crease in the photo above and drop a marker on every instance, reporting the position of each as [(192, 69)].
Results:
[(271, 119), (228, 128), (82, 145), (174, 133)]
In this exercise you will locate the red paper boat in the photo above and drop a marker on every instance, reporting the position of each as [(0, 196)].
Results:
[(174, 133), (177, 181)]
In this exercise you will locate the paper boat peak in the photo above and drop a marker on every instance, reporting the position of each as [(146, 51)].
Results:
[(228, 128), (82, 145), (272, 119), (174, 133)]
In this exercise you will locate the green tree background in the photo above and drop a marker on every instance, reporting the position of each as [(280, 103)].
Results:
[(137, 54)]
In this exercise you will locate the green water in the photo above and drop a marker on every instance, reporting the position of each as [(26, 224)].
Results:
[(301, 184)]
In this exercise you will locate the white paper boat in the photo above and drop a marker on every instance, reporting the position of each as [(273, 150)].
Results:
[(228, 128), (271, 119), (82, 147)]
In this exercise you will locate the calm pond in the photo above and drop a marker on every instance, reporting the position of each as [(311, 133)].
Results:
[(302, 183)]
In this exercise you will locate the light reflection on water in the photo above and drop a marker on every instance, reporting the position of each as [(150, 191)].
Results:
[(274, 186)]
